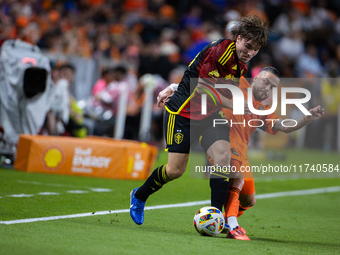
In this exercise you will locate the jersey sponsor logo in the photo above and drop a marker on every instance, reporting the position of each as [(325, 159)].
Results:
[(214, 73), (231, 77), (178, 138)]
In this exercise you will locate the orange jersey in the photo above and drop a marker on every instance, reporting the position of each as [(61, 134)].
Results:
[(240, 127)]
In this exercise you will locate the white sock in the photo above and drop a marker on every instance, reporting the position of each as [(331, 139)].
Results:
[(232, 222)]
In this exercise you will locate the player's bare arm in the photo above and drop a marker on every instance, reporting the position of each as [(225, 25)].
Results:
[(166, 94), (316, 113)]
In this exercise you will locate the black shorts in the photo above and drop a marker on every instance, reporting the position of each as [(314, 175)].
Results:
[(180, 132)]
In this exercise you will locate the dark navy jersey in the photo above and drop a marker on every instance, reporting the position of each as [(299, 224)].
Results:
[(216, 63)]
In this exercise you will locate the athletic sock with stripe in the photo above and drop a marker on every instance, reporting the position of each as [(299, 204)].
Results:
[(155, 181)]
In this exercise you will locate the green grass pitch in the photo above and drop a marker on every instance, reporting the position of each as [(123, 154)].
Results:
[(305, 224)]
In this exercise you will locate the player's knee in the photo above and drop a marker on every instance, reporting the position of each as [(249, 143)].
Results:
[(222, 158), (252, 202), (249, 201), (174, 172), (237, 180)]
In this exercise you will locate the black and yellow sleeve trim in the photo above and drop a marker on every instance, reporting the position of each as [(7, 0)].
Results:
[(227, 54)]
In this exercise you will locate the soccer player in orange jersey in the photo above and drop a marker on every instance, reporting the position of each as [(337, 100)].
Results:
[(241, 194)]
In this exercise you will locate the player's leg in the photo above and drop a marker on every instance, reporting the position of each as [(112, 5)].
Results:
[(219, 179), (178, 146), (215, 142), (247, 196), (232, 204), (175, 168)]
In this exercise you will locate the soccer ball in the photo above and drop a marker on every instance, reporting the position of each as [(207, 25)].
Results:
[(209, 221)]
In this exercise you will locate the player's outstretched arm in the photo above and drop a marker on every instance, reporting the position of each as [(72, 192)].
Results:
[(316, 113), (166, 94)]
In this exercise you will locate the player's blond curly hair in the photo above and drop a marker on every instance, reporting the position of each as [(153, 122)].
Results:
[(251, 28)]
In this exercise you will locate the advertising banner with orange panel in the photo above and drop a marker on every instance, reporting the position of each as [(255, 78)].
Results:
[(92, 156)]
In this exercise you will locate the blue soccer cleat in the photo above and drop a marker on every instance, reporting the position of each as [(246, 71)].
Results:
[(136, 208)]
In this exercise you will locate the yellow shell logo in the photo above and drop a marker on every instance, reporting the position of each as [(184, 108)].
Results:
[(53, 157)]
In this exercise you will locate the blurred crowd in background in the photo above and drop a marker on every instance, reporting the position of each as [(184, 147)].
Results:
[(129, 39)]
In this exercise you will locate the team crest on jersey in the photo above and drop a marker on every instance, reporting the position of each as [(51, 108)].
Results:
[(178, 138), (214, 73)]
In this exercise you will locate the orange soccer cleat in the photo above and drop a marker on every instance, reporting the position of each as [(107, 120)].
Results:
[(238, 233)]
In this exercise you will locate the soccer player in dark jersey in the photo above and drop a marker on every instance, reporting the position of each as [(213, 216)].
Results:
[(221, 61)]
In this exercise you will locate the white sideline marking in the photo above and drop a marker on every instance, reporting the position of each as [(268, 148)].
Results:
[(299, 192), (100, 190), (187, 204), (77, 191), (269, 179), (47, 193), (20, 195)]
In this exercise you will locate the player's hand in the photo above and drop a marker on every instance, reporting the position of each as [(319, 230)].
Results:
[(164, 96), (317, 113)]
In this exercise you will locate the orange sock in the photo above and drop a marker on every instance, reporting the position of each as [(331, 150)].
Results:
[(231, 207), (241, 210)]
